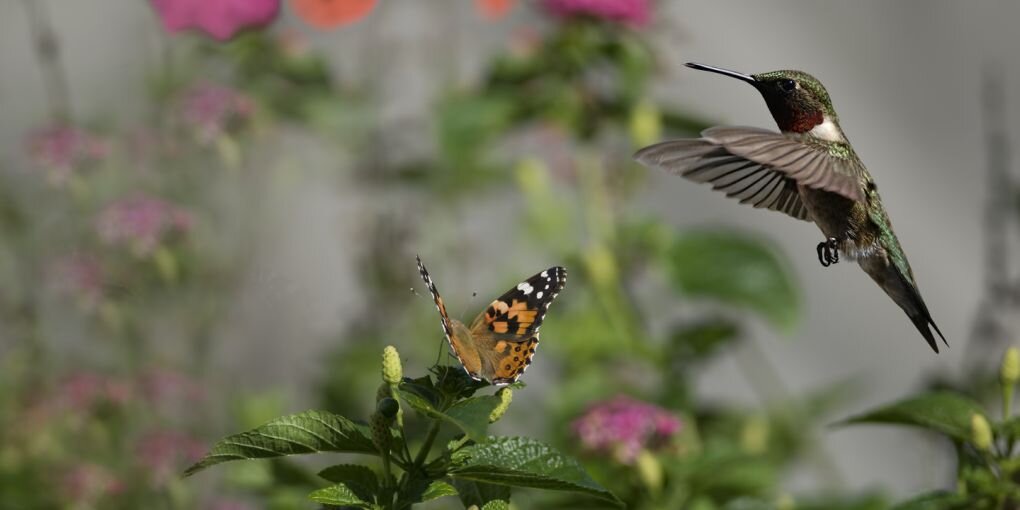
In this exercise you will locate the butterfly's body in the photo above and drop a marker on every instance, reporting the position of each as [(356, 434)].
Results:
[(501, 341), (809, 171)]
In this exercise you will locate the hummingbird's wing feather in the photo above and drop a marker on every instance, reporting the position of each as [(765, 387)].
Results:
[(827, 166), (747, 181)]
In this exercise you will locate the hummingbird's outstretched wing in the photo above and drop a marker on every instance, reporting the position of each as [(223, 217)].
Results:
[(760, 167)]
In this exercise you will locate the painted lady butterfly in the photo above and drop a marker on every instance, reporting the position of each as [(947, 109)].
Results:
[(500, 342)]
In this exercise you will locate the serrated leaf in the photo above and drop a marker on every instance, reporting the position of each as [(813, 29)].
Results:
[(340, 495), (307, 432), (738, 270), (485, 496), (359, 479), (438, 489), (419, 490), (945, 412), (524, 462), (469, 415)]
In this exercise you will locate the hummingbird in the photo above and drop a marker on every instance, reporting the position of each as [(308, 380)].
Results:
[(808, 170)]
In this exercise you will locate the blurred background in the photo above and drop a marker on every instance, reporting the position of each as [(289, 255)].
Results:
[(209, 218)]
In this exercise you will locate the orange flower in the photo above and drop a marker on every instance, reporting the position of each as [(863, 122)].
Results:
[(326, 14), (493, 10)]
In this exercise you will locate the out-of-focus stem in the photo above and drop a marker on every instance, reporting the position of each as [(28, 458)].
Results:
[(47, 52)]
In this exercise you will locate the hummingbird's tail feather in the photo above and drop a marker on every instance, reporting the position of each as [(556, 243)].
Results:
[(922, 323), (912, 303)]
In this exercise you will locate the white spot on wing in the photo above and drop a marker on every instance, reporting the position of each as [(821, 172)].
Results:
[(539, 295), (525, 287)]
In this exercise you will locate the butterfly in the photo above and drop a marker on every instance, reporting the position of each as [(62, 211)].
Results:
[(500, 342)]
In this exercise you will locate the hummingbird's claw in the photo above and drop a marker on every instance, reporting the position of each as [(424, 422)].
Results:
[(828, 252)]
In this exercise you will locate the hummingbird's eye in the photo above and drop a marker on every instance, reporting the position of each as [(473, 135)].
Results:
[(787, 85)]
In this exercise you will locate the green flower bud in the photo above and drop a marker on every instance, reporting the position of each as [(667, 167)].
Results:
[(645, 124), (754, 437), (980, 432), (392, 372), (1010, 371), (650, 470), (388, 407), (505, 395), (381, 436)]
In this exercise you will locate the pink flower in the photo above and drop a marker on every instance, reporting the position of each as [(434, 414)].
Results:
[(86, 483), (82, 276), (142, 222), (164, 453), (162, 387), (623, 426), (633, 12), (221, 19), (61, 149), (83, 391), (211, 109)]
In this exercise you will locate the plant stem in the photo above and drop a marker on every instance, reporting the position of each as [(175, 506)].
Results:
[(425, 447), (47, 51)]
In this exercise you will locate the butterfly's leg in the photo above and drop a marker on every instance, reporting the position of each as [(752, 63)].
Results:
[(828, 252)]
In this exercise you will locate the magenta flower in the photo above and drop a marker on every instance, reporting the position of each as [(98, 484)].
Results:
[(632, 12), (163, 453), (80, 276), (84, 390), (141, 222), (86, 483), (221, 19), (61, 149), (212, 109), (623, 427)]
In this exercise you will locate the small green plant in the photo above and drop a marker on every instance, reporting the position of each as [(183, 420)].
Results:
[(479, 468), (988, 469)]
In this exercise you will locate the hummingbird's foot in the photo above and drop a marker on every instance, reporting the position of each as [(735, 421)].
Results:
[(828, 252)]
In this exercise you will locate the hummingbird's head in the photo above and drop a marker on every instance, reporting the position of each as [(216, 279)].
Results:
[(798, 102)]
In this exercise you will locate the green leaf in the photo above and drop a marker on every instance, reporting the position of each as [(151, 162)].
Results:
[(485, 496), (524, 462), (419, 490), (469, 415), (359, 479), (945, 412), (738, 270), (307, 432), (937, 500), (340, 495)]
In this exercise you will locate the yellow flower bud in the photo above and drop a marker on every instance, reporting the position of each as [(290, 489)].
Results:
[(645, 124), (980, 432), (505, 395), (532, 176), (1010, 371), (650, 470), (754, 437), (392, 372)]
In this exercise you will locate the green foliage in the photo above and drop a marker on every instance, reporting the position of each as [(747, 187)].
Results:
[(987, 469), (474, 462), (735, 269)]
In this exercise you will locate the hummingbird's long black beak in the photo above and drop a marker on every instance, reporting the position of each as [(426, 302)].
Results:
[(726, 72)]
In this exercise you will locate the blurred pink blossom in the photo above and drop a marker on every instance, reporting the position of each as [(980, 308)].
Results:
[(633, 12), (142, 222), (86, 483), (161, 386), (623, 426), (165, 453), (211, 109), (61, 149), (221, 19), (81, 276), (82, 391)]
